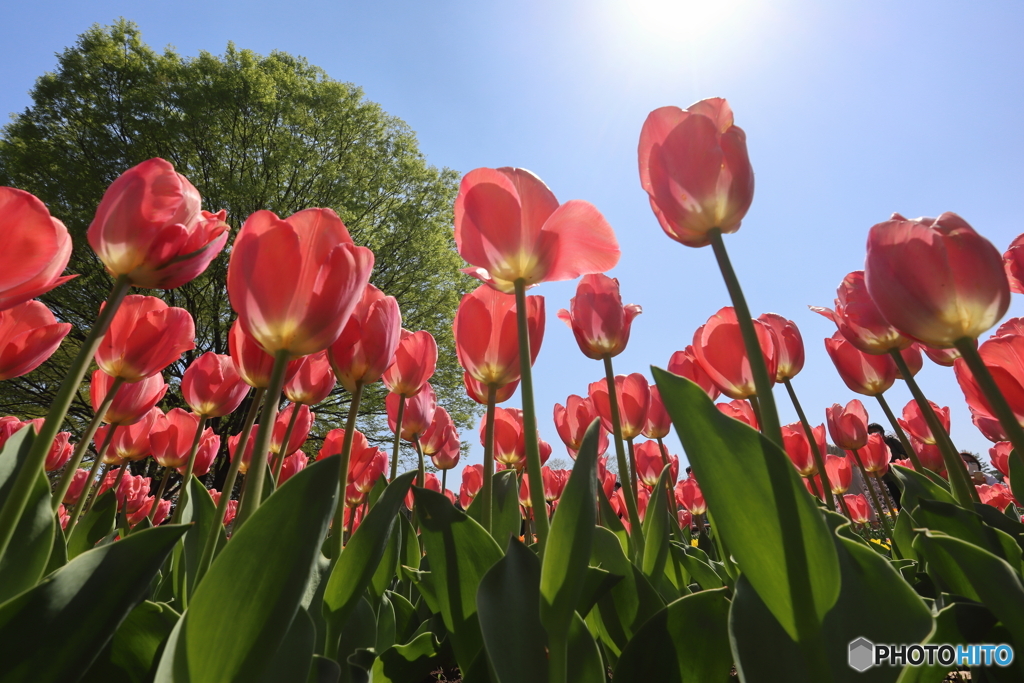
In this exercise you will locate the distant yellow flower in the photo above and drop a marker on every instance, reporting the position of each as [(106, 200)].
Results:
[(879, 542), (693, 542)]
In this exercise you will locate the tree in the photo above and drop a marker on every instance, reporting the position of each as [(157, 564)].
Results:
[(250, 132)]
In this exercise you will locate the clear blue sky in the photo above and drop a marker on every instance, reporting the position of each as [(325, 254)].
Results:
[(853, 110)]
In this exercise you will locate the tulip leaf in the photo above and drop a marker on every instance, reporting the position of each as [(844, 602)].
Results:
[(596, 585), (59, 552), (916, 487), (957, 522), (460, 553), (959, 623), (903, 534), (696, 562), (80, 607), (291, 662), (323, 670), (411, 662), (94, 525), (411, 556), (202, 512), (507, 518), (657, 540), (354, 570), (388, 565), (767, 518), (25, 561), (131, 655), (611, 521), (359, 632), (584, 657), (508, 602), (406, 619), (1009, 525), (242, 610), (686, 641)]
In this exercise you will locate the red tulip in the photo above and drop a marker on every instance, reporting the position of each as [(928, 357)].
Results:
[(572, 420), (209, 446), (605, 479), (739, 410), (860, 511), (132, 401), (789, 348), (292, 465), (509, 439), (211, 385), (172, 435), (935, 279), (478, 392), (361, 452), (131, 442), (912, 357), (1000, 455), (413, 365), (684, 363), (688, 495), (944, 357), (432, 484), (63, 515), (524, 495), (1013, 262), (554, 483), (719, 348), (295, 282), (996, 495), (486, 335), (60, 452), (472, 482), (74, 491), (695, 169), (300, 432), (367, 344), (9, 424), (840, 474), (253, 364), (230, 511), (930, 456), (419, 412), (145, 336), (649, 463), (312, 382), (509, 226), (659, 424), (36, 251), (848, 425), (1004, 358), (29, 334), (131, 493), (798, 448), (247, 455), (598, 319), (634, 396), (860, 321), (685, 518), (441, 442), (875, 455), (863, 373), (913, 421), (1010, 327), (163, 507)]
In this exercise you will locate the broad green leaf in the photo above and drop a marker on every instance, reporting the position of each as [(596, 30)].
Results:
[(567, 553), (1008, 524), (609, 520), (202, 513), (596, 585), (241, 611), (323, 670), (958, 624), (507, 519), (386, 625), (766, 517), (903, 534), (763, 651), (384, 574), (355, 568), (699, 567), (686, 641), (359, 632), (404, 663), (411, 556), (583, 655), (657, 541), (94, 525), (78, 608), (957, 522), (508, 602), (291, 662), (25, 560), (406, 619), (460, 553), (59, 552), (917, 487), (131, 655)]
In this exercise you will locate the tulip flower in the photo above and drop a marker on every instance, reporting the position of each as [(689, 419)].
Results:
[(29, 334), (209, 446), (37, 248), (860, 512), (510, 227), (996, 495), (875, 455), (658, 424), (334, 439), (312, 382), (605, 478), (944, 357), (1000, 455), (860, 321), (163, 507), (1004, 357), (171, 437), (413, 364), (848, 426), (1013, 262), (935, 279), (650, 461), (684, 363), (132, 442), (63, 516), (634, 398), (293, 464), (486, 335), (509, 441), (432, 484), (419, 412), (472, 482), (554, 483), (132, 401), (739, 410), (798, 448), (840, 474), (478, 392), (78, 485), (695, 170), (368, 342), (440, 442), (573, 419), (688, 495), (246, 456), (597, 317), (149, 228), (299, 432), (718, 345), (866, 374), (912, 357), (9, 425), (913, 421), (930, 456), (212, 386), (253, 364), (60, 452), (295, 282), (145, 336), (789, 348)]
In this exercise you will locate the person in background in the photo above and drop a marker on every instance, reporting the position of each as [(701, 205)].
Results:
[(896, 453), (978, 476)]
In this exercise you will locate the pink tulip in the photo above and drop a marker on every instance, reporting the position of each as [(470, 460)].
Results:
[(634, 397), (719, 348), (996, 495), (432, 484), (688, 495), (440, 442), (131, 442), (478, 392), (303, 423), (292, 465), (930, 456), (472, 482), (486, 335), (1000, 455), (1013, 262), (413, 365), (509, 439), (212, 386), (860, 512), (419, 412), (253, 364), (649, 463), (860, 321), (684, 363), (77, 486), (798, 448), (597, 317), (913, 421), (145, 336), (875, 455), (367, 344), (739, 410), (789, 346), (866, 374), (840, 473), (171, 438), (848, 425), (1004, 357), (944, 357), (659, 424), (573, 419), (209, 446), (132, 401), (29, 334), (36, 250), (312, 382), (60, 452)]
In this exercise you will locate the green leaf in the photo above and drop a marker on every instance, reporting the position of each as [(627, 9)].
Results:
[(686, 641), (80, 606), (355, 569), (584, 658), (359, 632), (323, 670), (202, 512), (507, 519), (388, 565), (596, 585), (955, 521), (460, 553), (386, 625), (241, 611), (94, 525), (405, 663), (1010, 525), (59, 552), (903, 534), (917, 487), (657, 540), (699, 567), (958, 624), (25, 561), (410, 552), (291, 663), (406, 620), (131, 655), (766, 517)]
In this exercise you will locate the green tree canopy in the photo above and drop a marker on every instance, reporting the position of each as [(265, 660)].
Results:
[(250, 132)]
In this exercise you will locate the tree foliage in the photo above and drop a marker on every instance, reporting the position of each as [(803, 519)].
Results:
[(250, 132)]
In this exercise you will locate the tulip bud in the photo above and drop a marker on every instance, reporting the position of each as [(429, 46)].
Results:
[(77, 486), (29, 334), (840, 474), (914, 423), (688, 495), (658, 423), (848, 426), (171, 438), (132, 401), (300, 432), (312, 382), (650, 461), (572, 421), (598, 319), (789, 346), (413, 365), (634, 398), (486, 335), (419, 412), (863, 373), (60, 452), (860, 512)]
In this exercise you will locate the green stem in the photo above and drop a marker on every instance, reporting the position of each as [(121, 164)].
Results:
[(636, 533), (398, 437), (762, 382), (210, 546), (673, 507), (444, 481), (338, 538), (632, 469), (190, 464), (486, 490), (842, 506), (819, 457), (159, 493), (960, 481), (117, 482), (28, 473), (258, 467), (900, 434), (882, 517), (87, 489), (83, 445), (533, 464), (558, 658), (279, 462), (752, 400)]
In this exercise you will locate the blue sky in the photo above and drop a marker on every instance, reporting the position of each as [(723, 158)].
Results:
[(852, 110)]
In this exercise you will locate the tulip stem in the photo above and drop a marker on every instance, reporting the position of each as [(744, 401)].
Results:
[(819, 457), (28, 473), (159, 493), (632, 469), (210, 546), (254, 486), (444, 481), (186, 478), (487, 488), (843, 507), (83, 445), (882, 517), (398, 437), (533, 464), (673, 507), (996, 401), (87, 488), (900, 434), (338, 538), (636, 533), (762, 382), (960, 481), (279, 460)]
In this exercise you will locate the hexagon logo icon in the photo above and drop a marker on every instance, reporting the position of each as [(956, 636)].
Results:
[(861, 654)]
